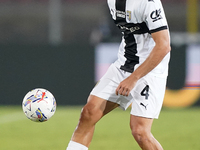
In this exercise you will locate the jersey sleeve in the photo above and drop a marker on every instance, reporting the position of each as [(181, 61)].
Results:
[(155, 16)]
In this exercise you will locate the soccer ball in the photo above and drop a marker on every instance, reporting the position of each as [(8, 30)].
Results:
[(39, 105)]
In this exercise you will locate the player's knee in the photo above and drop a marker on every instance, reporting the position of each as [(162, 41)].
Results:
[(140, 134), (86, 114), (137, 134), (89, 114)]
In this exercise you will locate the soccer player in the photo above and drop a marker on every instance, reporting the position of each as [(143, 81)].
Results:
[(138, 76)]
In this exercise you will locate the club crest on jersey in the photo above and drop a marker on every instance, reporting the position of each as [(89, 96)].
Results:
[(128, 15)]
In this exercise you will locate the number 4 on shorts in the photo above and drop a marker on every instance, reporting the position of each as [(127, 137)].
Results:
[(145, 92)]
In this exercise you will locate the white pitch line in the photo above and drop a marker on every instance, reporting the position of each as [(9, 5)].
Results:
[(12, 117)]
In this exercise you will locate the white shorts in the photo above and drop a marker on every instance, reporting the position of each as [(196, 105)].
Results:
[(146, 97)]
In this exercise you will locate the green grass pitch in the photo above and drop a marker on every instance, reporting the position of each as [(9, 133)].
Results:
[(176, 129)]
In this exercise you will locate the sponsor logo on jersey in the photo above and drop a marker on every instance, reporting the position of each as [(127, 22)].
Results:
[(131, 29), (120, 14), (156, 15)]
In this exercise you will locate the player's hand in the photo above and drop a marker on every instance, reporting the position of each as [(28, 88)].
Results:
[(125, 86)]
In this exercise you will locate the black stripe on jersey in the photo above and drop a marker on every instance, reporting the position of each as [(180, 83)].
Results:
[(120, 10), (130, 53), (158, 29), (127, 30), (121, 5)]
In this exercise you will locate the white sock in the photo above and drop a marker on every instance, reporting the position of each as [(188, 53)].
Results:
[(76, 146)]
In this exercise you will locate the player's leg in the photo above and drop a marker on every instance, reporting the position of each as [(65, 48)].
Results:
[(148, 97), (97, 106), (91, 113), (141, 131)]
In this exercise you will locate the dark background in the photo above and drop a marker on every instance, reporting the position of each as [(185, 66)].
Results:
[(66, 70)]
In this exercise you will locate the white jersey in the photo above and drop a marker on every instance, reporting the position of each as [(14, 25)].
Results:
[(137, 19)]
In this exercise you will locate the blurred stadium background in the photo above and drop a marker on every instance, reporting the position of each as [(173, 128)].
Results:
[(53, 44), (60, 45)]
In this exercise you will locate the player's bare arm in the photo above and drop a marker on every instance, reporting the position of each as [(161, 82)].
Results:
[(161, 49)]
